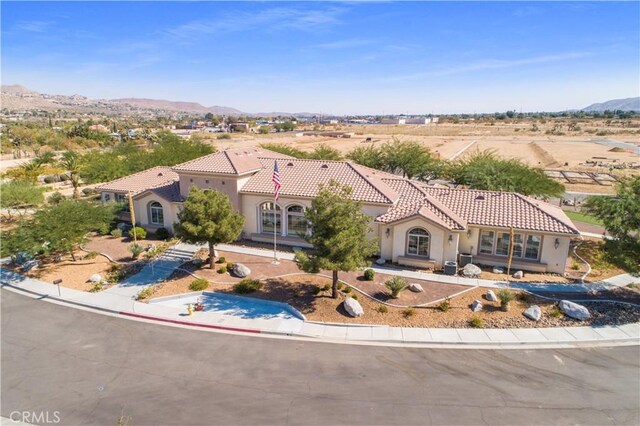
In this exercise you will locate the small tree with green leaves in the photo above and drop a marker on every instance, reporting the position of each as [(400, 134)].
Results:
[(395, 285), (339, 237), (20, 195), (208, 216)]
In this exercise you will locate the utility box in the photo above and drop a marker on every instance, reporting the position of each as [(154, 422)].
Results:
[(450, 267), (465, 259)]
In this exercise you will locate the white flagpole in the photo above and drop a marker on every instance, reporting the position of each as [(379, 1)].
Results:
[(275, 228)]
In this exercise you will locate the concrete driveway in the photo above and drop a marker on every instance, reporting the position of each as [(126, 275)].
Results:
[(93, 368)]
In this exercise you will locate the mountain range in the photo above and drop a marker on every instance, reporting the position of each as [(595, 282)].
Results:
[(628, 104), (19, 98)]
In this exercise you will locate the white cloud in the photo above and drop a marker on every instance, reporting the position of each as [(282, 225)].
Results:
[(33, 26)]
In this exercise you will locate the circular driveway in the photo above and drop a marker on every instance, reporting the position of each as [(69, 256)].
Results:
[(93, 369)]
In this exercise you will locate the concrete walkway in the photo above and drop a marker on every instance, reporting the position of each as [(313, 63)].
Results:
[(123, 304)]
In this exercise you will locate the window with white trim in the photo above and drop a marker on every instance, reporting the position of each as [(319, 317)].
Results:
[(532, 250), (524, 246), (156, 213), (270, 212), (296, 223), (486, 242), (418, 242)]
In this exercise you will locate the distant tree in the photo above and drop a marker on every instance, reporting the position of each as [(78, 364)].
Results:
[(284, 149), (410, 159), (325, 152), (208, 216), (71, 163), (339, 237), (20, 195), (369, 156), (484, 170), (264, 130)]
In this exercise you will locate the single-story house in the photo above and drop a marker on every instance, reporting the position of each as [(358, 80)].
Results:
[(416, 224)]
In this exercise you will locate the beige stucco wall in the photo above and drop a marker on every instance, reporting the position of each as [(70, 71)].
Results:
[(555, 259), (439, 249), (225, 184), (170, 212)]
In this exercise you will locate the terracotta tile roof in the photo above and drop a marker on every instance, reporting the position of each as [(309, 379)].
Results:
[(141, 181), (503, 209), (235, 161), (301, 178), (415, 202), (170, 192)]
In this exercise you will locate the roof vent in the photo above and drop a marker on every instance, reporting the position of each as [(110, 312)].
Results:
[(480, 198), (324, 166), (289, 164)]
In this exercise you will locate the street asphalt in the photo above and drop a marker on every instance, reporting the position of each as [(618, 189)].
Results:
[(93, 369)]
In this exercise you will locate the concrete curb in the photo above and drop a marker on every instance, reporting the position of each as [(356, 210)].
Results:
[(335, 333)]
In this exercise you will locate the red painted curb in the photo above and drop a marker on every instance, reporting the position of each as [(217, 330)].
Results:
[(193, 324)]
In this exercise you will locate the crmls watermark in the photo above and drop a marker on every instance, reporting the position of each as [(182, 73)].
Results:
[(35, 417)]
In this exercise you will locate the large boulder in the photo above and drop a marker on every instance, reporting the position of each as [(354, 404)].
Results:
[(381, 261), (471, 271), (240, 270), (491, 296), (416, 288), (518, 275), (498, 270), (476, 306), (533, 312), (353, 307), (573, 310), (95, 278)]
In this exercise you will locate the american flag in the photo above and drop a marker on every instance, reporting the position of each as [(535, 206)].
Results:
[(276, 181)]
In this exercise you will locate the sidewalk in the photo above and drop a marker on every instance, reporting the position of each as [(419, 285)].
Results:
[(124, 305)]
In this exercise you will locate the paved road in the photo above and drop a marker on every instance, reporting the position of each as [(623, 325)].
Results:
[(91, 368)]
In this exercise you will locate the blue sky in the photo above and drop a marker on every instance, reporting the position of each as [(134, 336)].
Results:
[(329, 57)]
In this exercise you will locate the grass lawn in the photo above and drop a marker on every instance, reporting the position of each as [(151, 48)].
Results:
[(582, 217)]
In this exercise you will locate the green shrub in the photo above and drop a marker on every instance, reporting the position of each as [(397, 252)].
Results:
[(339, 285), (316, 290), (117, 233), (347, 290), (199, 284), (523, 296), (230, 266), (50, 179), (555, 312), (445, 305), (135, 249), (145, 293), (383, 309), (162, 233), (395, 285), (505, 297), (104, 229), (222, 270), (224, 136), (96, 288), (64, 177), (247, 285), (140, 233), (89, 191), (408, 312), (91, 255), (369, 274), (575, 266), (326, 287), (56, 198), (221, 259), (476, 322)]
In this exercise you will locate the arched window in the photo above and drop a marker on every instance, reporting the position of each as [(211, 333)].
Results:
[(270, 212), (156, 214), (296, 223), (418, 242)]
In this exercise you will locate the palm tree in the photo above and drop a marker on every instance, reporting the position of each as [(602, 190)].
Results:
[(71, 162)]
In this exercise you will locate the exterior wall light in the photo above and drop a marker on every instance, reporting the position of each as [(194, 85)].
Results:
[(450, 239), (556, 243), (387, 232)]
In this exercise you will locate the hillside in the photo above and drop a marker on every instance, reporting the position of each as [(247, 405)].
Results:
[(628, 104)]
